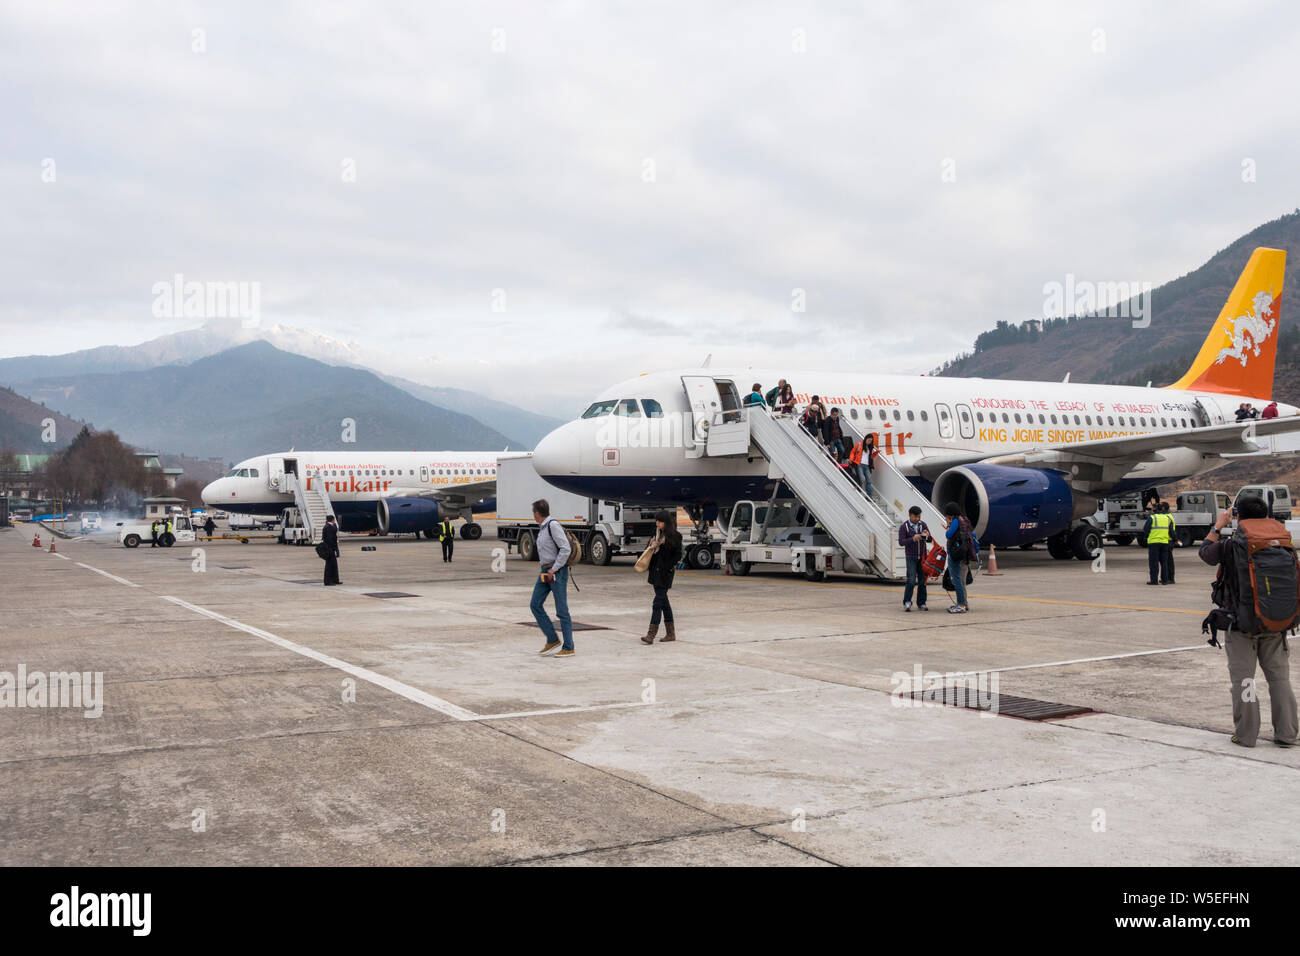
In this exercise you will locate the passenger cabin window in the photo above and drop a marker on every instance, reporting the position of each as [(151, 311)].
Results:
[(652, 408), (628, 408), (598, 409)]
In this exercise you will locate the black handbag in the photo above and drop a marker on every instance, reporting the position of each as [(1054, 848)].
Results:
[(322, 552)]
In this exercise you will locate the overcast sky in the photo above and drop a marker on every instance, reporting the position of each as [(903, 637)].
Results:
[(645, 183)]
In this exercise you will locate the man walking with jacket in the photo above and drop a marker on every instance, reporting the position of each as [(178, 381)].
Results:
[(553, 552)]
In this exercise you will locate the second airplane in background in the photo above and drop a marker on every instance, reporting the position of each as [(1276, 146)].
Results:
[(397, 492)]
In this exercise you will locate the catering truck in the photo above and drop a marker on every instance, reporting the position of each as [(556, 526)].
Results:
[(605, 528)]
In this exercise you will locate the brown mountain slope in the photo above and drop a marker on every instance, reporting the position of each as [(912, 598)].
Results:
[(1110, 350)]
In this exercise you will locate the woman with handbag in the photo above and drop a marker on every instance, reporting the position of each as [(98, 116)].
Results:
[(659, 560)]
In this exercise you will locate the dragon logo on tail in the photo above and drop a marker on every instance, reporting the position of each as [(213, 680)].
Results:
[(1249, 332)]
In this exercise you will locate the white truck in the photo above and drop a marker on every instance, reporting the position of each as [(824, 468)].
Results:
[(140, 532), (292, 529), (1277, 496), (91, 521), (605, 528)]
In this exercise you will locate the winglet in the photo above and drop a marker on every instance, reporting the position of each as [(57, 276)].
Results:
[(1238, 356)]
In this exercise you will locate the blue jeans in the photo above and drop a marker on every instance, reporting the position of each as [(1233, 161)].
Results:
[(836, 448), (559, 588), (915, 579), (957, 574), (864, 478)]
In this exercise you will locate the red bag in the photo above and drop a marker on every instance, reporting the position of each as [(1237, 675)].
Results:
[(934, 562)]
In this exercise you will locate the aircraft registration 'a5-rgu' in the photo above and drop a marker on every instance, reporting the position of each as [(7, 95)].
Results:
[(392, 491), (1024, 459)]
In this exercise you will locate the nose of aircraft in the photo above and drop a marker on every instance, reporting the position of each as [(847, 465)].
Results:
[(215, 493), (559, 453)]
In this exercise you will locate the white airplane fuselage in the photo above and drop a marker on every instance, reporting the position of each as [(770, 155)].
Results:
[(618, 455), (355, 481)]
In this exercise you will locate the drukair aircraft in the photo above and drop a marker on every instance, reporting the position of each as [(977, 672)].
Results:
[(391, 491), (1025, 460)]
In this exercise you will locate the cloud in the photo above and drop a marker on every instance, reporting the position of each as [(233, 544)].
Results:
[(584, 181)]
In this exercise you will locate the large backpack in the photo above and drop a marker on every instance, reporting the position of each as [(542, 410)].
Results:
[(575, 546), (962, 547), (1260, 583)]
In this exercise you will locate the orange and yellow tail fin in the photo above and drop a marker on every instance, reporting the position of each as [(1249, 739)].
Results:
[(1238, 356)]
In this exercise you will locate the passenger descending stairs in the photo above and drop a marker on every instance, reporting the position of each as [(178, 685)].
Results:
[(313, 504), (893, 490), (865, 527)]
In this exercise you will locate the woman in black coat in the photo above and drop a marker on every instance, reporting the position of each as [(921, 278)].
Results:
[(663, 563)]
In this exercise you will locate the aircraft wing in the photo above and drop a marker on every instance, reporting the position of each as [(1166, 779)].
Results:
[(455, 494), (1107, 459)]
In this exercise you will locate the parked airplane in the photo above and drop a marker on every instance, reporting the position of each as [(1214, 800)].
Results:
[(1026, 460), (391, 491)]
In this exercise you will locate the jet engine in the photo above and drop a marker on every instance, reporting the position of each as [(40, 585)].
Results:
[(1008, 505), (406, 515)]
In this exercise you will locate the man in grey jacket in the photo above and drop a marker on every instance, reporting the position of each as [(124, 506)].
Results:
[(553, 552)]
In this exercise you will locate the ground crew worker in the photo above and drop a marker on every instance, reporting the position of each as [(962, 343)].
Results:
[(447, 537), (209, 526), (1173, 535), (329, 550), (1157, 530), (153, 534)]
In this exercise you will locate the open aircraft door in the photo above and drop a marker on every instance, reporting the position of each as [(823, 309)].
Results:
[(718, 423)]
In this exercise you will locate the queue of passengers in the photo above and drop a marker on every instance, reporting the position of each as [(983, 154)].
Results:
[(858, 459)]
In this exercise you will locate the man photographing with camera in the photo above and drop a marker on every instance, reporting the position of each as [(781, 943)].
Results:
[(1257, 598)]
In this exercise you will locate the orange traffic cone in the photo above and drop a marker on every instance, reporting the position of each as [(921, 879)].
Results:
[(36, 541), (52, 551), (993, 561)]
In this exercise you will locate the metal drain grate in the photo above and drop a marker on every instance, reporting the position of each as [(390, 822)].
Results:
[(1004, 705), (577, 626), (389, 594)]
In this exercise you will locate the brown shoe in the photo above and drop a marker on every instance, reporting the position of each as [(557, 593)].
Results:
[(671, 635), (650, 634)]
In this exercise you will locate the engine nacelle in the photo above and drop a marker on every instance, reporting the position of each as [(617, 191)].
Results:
[(1007, 505), (406, 515), (484, 506)]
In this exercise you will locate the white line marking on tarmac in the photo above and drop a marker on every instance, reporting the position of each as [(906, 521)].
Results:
[(563, 710), (130, 584), (1080, 660), (397, 687), (63, 556)]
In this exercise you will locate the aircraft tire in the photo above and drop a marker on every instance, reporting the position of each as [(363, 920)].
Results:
[(700, 557), (471, 531), (1084, 541), (1058, 545)]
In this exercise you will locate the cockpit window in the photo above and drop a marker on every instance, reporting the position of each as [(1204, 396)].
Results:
[(252, 473), (598, 409), (628, 408), (652, 408)]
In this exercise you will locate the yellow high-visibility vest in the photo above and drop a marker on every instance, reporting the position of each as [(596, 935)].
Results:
[(1161, 525)]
